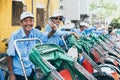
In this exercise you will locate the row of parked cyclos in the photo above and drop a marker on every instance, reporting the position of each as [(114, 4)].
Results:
[(88, 58)]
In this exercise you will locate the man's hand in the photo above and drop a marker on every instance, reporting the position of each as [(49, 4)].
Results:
[(52, 25), (54, 28), (12, 77), (76, 35)]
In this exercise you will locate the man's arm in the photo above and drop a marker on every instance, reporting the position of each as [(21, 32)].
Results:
[(10, 69), (51, 33), (9, 61), (54, 28)]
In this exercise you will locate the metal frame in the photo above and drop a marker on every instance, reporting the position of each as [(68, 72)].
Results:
[(19, 54)]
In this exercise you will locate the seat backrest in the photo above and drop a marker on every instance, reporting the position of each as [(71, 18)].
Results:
[(86, 65), (66, 74), (115, 75), (95, 54), (73, 52)]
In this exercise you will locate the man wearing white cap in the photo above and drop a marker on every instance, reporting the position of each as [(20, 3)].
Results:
[(52, 27), (84, 29), (80, 31), (26, 31), (68, 26)]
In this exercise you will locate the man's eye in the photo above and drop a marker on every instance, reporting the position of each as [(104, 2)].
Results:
[(25, 20), (31, 20)]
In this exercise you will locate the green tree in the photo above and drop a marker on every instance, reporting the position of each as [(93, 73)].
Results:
[(115, 23), (103, 8)]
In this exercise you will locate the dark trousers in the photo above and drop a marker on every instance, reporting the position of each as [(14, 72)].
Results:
[(31, 77)]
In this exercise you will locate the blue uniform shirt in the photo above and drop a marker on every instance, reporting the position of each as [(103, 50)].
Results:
[(89, 30), (79, 32), (24, 48), (56, 37), (85, 32), (97, 33)]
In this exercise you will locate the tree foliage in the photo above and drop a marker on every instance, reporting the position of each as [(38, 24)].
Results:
[(103, 8), (115, 23)]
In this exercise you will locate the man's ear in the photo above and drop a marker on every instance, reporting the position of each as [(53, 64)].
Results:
[(21, 23)]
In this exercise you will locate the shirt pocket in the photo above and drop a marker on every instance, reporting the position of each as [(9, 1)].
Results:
[(20, 45), (22, 49)]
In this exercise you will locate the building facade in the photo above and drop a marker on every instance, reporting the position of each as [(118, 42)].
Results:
[(10, 11)]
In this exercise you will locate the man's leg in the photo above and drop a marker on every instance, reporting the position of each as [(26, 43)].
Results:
[(32, 75), (19, 77)]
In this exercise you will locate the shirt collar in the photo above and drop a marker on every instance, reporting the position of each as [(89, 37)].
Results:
[(23, 33)]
